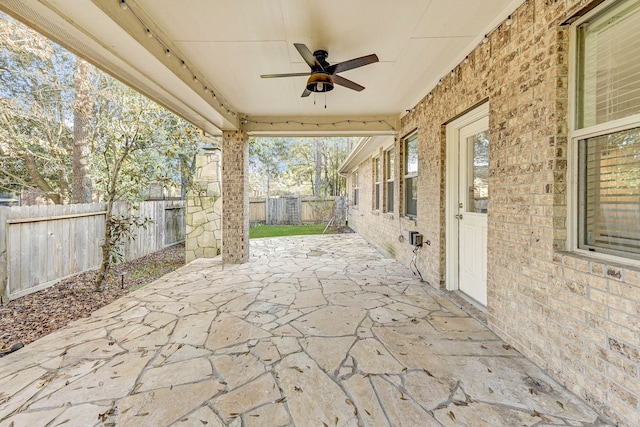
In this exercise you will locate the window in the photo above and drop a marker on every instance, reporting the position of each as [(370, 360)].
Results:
[(390, 176), (411, 175), (355, 188), (376, 183), (609, 193), (608, 66), (607, 139)]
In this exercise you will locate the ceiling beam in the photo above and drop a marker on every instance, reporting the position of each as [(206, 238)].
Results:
[(321, 125)]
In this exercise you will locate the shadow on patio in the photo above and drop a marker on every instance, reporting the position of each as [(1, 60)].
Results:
[(313, 331)]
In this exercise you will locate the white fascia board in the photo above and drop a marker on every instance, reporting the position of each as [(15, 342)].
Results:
[(366, 147)]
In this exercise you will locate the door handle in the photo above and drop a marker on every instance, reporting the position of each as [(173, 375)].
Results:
[(459, 216)]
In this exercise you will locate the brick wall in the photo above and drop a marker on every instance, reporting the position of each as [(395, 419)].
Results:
[(577, 317), (235, 197)]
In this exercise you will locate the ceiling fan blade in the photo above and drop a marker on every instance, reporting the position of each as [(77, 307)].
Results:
[(353, 63), (306, 54), (339, 80), (306, 93), (271, 76)]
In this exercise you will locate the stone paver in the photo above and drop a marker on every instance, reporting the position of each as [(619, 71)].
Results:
[(313, 331)]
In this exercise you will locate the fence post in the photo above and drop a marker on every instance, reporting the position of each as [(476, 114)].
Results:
[(4, 292)]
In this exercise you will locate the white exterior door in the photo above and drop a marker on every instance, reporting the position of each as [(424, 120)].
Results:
[(473, 192), (468, 191)]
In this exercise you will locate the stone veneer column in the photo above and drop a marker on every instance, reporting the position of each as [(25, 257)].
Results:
[(235, 197), (204, 206)]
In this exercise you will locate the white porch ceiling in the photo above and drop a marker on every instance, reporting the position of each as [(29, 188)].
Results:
[(228, 44)]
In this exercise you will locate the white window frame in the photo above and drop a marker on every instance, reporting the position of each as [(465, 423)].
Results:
[(406, 175), (377, 181), (576, 135), (389, 180), (356, 189)]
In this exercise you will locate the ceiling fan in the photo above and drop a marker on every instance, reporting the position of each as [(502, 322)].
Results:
[(324, 76)]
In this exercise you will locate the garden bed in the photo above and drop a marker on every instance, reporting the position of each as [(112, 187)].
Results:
[(30, 317)]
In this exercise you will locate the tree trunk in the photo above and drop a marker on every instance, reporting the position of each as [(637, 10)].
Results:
[(109, 243), (187, 170), (316, 190), (83, 106), (106, 249), (39, 180)]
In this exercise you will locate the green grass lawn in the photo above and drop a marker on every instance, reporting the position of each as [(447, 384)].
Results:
[(285, 230)]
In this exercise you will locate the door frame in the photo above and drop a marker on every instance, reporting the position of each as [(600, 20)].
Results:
[(452, 183)]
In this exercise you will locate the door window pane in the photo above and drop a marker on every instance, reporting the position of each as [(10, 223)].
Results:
[(478, 172)]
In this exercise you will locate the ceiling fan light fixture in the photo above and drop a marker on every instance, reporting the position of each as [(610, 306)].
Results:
[(320, 82)]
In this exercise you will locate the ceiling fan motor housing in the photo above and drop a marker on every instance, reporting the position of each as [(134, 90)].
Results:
[(323, 75), (321, 56), (320, 82)]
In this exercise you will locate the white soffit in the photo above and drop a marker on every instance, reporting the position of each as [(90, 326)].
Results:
[(229, 44)]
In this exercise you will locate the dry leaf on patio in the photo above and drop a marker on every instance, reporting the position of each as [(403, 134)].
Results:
[(350, 402)]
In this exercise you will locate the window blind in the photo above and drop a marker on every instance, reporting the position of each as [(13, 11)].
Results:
[(610, 197), (609, 72)]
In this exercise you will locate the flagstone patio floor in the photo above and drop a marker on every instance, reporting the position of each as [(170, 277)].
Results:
[(312, 331)]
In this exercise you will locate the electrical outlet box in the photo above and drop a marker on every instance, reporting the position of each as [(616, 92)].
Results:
[(415, 238)]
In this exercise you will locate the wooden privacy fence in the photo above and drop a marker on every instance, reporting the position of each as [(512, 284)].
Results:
[(295, 210), (39, 245)]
